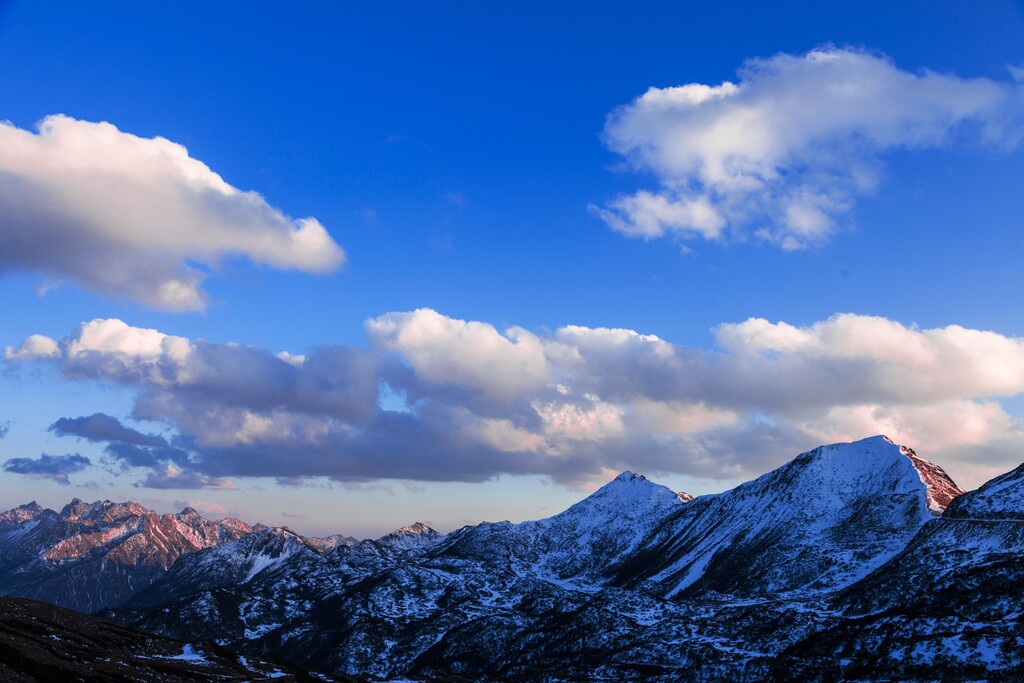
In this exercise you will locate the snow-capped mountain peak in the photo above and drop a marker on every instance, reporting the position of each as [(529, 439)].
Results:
[(843, 472), (630, 488), (820, 521), (414, 528), (416, 535)]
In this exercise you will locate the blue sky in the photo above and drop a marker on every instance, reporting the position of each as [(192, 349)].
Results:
[(458, 159)]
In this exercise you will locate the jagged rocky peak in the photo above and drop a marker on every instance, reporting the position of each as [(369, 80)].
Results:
[(101, 511), (274, 543), (188, 511), (1001, 498), (76, 508), (17, 517), (111, 512), (235, 525), (273, 535), (22, 512)]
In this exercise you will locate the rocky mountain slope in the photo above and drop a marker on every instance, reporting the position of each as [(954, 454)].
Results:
[(91, 556), (856, 561)]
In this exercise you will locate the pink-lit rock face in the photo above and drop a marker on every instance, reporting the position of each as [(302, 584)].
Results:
[(130, 534), (941, 489), (92, 555), (17, 516)]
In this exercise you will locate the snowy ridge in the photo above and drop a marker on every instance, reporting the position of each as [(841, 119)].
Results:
[(326, 544), (818, 523), (1000, 498)]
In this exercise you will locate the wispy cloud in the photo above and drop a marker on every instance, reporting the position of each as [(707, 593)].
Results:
[(205, 507), (170, 477), (129, 216), (786, 150)]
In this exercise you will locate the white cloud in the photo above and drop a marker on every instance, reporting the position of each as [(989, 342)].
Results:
[(34, 347), (931, 428), (787, 149), (471, 354), (565, 404), (679, 418), (649, 215), (889, 360), (125, 215), (113, 336), (593, 420)]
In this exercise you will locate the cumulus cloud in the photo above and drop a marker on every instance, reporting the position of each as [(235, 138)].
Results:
[(53, 467), (467, 354), (467, 401), (34, 347), (788, 148), (334, 380), (127, 216)]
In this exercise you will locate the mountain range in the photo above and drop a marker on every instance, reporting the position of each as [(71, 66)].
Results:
[(858, 562)]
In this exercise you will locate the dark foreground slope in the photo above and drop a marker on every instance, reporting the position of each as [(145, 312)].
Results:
[(40, 642)]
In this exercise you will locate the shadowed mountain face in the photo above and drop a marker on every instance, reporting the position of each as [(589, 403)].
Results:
[(843, 558)]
